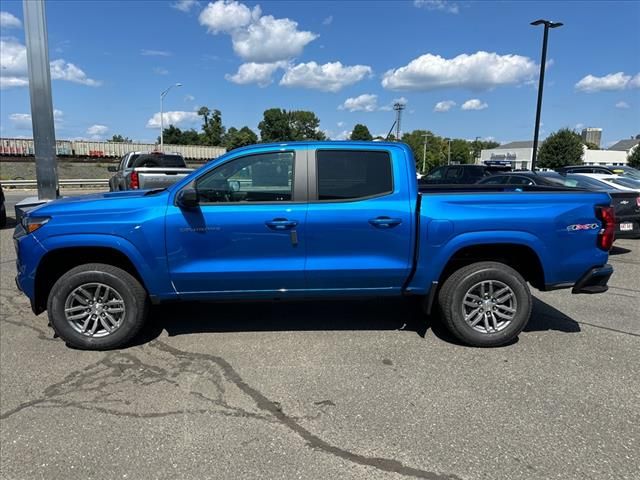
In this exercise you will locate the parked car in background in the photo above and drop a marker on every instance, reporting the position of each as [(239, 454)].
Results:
[(461, 174), (311, 220), (601, 169), (522, 178), (625, 203), (619, 182), (147, 170)]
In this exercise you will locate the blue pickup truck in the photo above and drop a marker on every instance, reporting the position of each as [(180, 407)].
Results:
[(309, 220)]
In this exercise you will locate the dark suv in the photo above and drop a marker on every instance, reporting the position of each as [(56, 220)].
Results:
[(461, 174)]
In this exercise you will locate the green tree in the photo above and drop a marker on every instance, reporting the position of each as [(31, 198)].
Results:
[(460, 151), (561, 148), (119, 139), (305, 125), (235, 138), (436, 149), (275, 126), (591, 146), (360, 132), (174, 136), (279, 125), (634, 157)]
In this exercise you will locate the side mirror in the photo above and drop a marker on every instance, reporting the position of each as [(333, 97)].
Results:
[(188, 198), (112, 168)]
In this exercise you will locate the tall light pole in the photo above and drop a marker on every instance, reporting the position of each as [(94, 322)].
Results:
[(449, 152), (476, 151), (398, 107), (424, 153), (162, 95), (547, 25)]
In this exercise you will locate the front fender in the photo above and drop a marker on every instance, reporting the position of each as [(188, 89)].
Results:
[(152, 271)]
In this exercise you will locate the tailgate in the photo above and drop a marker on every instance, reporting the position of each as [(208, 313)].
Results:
[(149, 177), (625, 203)]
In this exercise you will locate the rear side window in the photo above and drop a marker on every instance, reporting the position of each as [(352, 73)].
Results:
[(348, 175), (495, 180), (520, 181)]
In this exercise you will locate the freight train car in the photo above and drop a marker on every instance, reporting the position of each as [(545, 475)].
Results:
[(21, 147)]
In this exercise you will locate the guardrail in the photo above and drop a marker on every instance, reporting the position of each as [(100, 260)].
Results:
[(102, 182)]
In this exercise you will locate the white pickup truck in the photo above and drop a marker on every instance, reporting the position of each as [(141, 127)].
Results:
[(147, 170)]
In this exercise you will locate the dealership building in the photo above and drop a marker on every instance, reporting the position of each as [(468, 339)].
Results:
[(519, 154)]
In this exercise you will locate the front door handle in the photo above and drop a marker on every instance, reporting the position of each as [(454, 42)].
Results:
[(385, 222), (280, 224)]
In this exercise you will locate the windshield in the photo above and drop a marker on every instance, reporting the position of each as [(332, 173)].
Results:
[(628, 182), (580, 181)]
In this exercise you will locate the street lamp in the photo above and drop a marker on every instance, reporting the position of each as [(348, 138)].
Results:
[(448, 151), (162, 95), (547, 25), (424, 153)]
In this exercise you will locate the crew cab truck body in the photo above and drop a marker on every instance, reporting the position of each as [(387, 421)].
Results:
[(318, 219), (147, 170)]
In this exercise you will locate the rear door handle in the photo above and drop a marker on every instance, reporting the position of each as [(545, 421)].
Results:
[(281, 224), (385, 222)]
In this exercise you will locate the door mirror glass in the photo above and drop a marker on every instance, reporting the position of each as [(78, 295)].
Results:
[(188, 198)]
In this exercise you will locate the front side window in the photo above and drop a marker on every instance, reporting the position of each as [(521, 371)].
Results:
[(495, 180), (348, 175), (520, 181), (436, 174), (453, 172), (266, 177)]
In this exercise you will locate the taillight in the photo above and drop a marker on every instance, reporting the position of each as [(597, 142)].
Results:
[(638, 201), (134, 183), (607, 233)]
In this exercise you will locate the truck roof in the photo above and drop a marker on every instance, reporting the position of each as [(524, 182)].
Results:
[(351, 144)]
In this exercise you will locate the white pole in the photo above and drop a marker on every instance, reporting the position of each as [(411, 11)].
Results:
[(162, 114)]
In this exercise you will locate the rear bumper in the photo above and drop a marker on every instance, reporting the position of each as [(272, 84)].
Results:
[(594, 281)]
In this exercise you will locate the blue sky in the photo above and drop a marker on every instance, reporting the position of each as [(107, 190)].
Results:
[(465, 69)]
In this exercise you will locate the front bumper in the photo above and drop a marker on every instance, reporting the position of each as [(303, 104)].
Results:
[(594, 281)]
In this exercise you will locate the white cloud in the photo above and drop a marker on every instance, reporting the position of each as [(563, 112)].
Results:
[(61, 70), (22, 121), (255, 38), (184, 5), (189, 98), (227, 16), (270, 39), (330, 77), (340, 124), (474, 104), (622, 105), (344, 135), (328, 20), (7, 20), (155, 53), (13, 67), (97, 130), (362, 103), (173, 118), (444, 106), (579, 126), (477, 71), (440, 5), (259, 73), (160, 71), (610, 82)]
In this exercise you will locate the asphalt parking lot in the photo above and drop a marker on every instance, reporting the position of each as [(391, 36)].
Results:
[(361, 390)]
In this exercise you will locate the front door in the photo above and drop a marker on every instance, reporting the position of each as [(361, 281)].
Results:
[(247, 234)]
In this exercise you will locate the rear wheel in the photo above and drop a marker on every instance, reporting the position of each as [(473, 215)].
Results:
[(485, 304), (97, 307)]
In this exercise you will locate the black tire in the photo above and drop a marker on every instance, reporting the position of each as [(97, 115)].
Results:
[(3, 216), (129, 289), (452, 296)]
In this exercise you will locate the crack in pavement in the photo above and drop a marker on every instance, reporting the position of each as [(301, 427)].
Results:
[(313, 441), (206, 384)]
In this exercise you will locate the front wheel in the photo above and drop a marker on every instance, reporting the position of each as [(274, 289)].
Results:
[(97, 307), (485, 304)]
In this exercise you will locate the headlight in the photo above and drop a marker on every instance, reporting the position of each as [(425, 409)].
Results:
[(31, 224)]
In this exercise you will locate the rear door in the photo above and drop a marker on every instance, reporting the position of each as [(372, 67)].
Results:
[(359, 222)]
